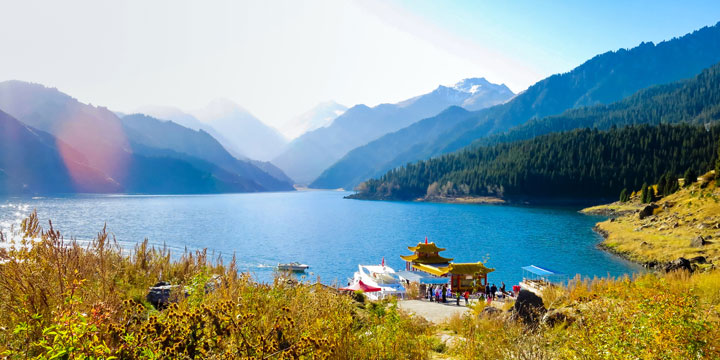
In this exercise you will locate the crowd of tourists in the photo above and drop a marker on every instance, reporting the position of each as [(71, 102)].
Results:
[(441, 294)]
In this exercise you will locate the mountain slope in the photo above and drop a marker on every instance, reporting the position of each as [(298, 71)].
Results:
[(250, 136), (695, 100), (307, 156), (579, 164), (99, 138), (153, 133), (603, 79), (35, 162), (321, 115)]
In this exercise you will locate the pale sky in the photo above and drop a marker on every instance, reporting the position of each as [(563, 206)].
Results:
[(280, 58)]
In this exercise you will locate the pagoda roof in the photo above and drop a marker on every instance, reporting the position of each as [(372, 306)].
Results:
[(434, 259), (427, 248), (455, 268)]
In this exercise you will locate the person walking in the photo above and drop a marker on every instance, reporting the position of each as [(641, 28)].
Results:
[(467, 296), (487, 291), (493, 290), (430, 293), (444, 294), (457, 298)]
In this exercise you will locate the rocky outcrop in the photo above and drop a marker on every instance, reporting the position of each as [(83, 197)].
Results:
[(529, 307), (678, 264), (558, 316), (698, 241), (647, 211), (159, 294)]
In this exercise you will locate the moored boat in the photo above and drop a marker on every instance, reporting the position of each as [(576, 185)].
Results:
[(293, 266)]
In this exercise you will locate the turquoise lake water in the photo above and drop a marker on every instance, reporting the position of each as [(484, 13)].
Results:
[(331, 234)]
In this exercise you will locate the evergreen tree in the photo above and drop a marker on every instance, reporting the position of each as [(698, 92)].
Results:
[(671, 184), (624, 195), (645, 196), (690, 177), (662, 185)]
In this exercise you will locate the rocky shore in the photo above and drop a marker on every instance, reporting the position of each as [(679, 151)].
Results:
[(681, 230)]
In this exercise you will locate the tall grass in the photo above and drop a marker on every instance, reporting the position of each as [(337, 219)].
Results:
[(62, 300), (671, 316)]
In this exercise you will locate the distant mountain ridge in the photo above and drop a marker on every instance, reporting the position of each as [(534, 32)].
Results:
[(97, 139), (153, 133), (246, 133), (308, 155), (322, 115), (603, 79), (36, 163)]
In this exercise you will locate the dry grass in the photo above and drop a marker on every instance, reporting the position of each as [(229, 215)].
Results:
[(666, 236), (673, 316), (61, 300)]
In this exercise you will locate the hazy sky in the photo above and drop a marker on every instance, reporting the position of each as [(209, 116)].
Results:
[(280, 58)]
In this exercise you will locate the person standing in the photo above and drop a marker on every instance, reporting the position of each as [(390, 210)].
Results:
[(487, 291), (457, 297), (493, 290), (467, 296), (444, 294), (429, 293)]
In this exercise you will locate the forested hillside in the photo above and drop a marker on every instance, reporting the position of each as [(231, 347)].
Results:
[(696, 101), (603, 79), (579, 164)]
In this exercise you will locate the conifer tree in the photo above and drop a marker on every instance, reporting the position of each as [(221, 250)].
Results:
[(645, 194), (624, 195), (689, 177)]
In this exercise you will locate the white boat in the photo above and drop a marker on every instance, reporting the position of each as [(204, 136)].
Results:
[(293, 266), (381, 276)]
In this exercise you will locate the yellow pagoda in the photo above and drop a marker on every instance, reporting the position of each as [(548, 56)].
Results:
[(463, 276)]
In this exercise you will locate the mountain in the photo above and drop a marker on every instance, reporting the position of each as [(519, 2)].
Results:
[(243, 131), (579, 164), (584, 163), (146, 134), (321, 115), (695, 101), (101, 142), (191, 122), (601, 80), (35, 162), (172, 113), (308, 155)]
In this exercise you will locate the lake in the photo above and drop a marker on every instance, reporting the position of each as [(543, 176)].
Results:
[(331, 234)]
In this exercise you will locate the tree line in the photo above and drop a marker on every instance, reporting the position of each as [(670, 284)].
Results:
[(584, 163)]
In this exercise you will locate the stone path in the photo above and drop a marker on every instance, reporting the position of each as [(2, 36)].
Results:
[(433, 312)]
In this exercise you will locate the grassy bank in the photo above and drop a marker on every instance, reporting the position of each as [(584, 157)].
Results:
[(667, 233), (673, 316)]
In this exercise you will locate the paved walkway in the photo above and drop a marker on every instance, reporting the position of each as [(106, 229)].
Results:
[(432, 311)]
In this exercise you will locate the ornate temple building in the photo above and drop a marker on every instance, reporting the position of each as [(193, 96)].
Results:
[(462, 276)]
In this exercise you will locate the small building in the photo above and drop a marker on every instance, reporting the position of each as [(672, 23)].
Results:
[(462, 276)]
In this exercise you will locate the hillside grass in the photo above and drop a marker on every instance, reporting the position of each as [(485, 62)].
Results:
[(59, 300), (650, 316), (666, 236)]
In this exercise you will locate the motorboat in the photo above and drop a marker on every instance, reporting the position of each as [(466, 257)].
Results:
[(293, 266), (381, 276)]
